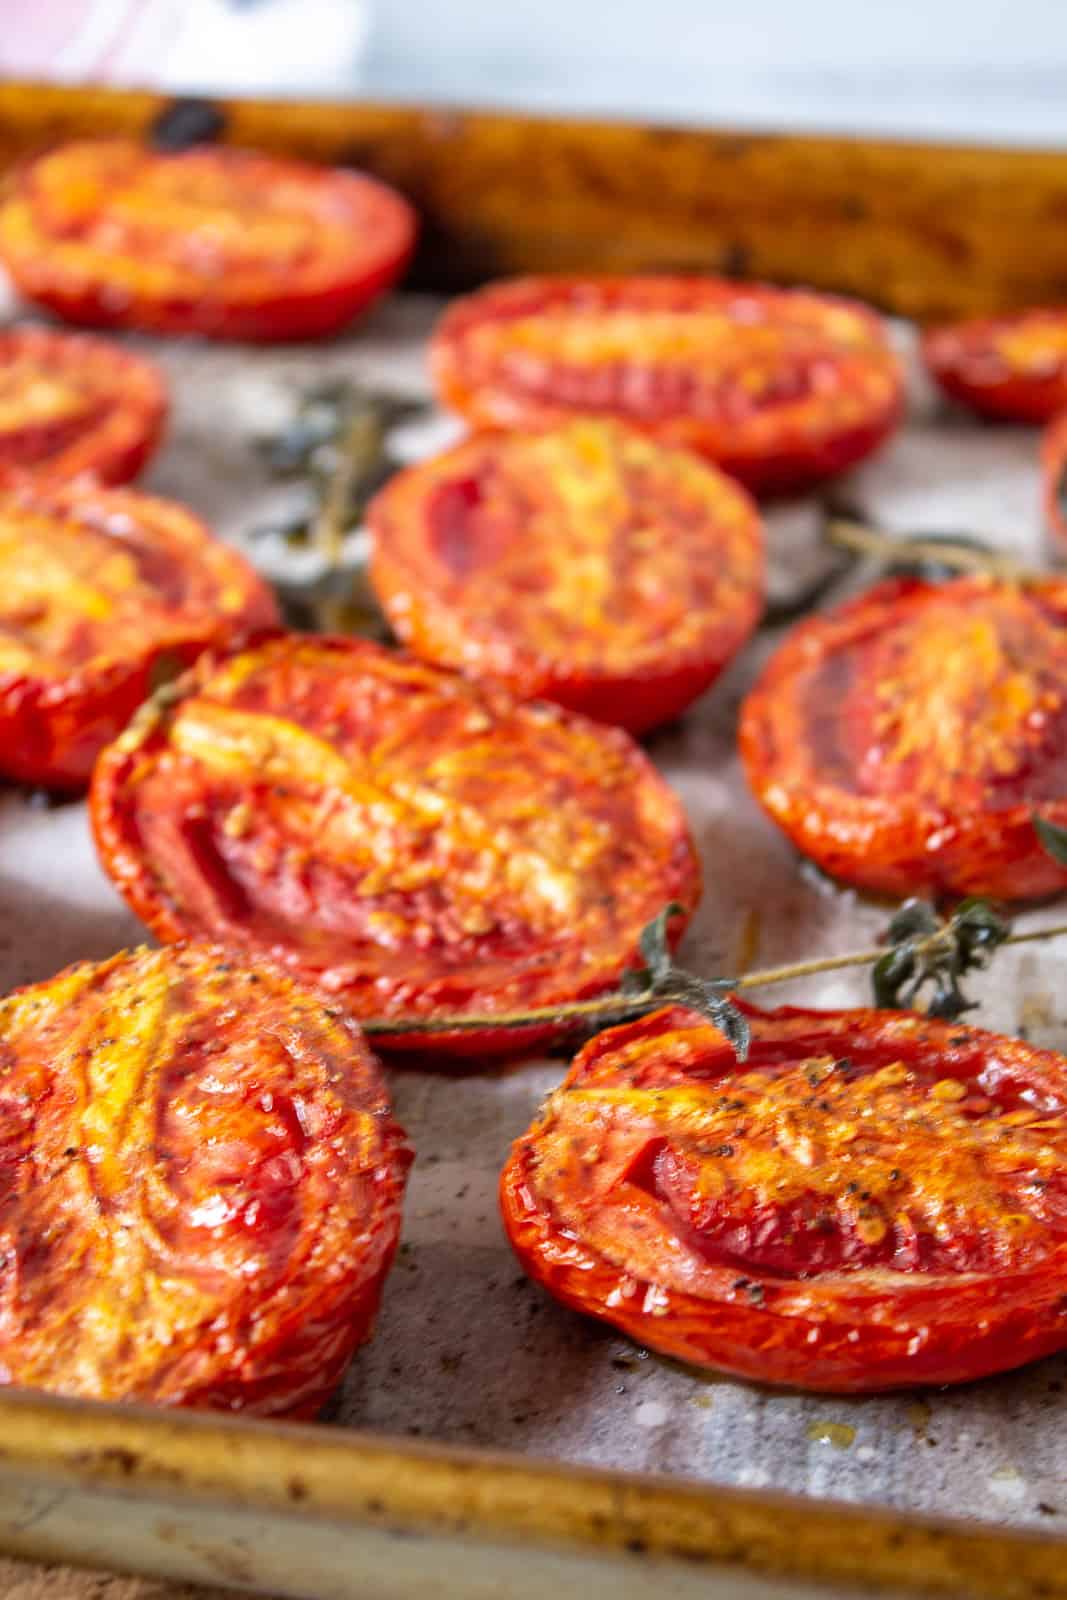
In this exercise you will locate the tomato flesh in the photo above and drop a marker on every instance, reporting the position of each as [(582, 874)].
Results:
[(873, 1200), (904, 740), (414, 843), (214, 241), (588, 565), (1010, 369), (780, 387), (70, 406), (202, 1185), (102, 591)]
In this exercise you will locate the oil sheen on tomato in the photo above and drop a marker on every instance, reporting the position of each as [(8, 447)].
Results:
[(202, 1185), (904, 740), (1011, 369), (412, 842), (215, 241), (780, 387), (873, 1200), (102, 591), (70, 405), (589, 565)]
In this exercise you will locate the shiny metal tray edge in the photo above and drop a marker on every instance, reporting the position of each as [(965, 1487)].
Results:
[(321, 1513)]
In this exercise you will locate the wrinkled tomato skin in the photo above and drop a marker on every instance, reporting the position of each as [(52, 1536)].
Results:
[(409, 842), (800, 388), (594, 1208), (1008, 369), (1054, 471), (60, 704), (921, 777), (484, 558), (354, 239), (123, 408), (203, 1185)]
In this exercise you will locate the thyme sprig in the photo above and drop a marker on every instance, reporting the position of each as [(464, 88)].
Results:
[(921, 952), (926, 952), (930, 555), (338, 446), (1053, 839)]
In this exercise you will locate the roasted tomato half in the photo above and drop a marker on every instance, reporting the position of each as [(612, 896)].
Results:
[(1054, 465), (412, 842), (1012, 368), (873, 1201), (588, 565), (71, 405), (213, 241), (780, 387), (202, 1185), (905, 740), (103, 592)]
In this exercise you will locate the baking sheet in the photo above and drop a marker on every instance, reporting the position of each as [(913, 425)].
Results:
[(467, 1351)]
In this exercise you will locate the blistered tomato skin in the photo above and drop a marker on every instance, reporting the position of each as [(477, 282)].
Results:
[(103, 592), (1009, 369), (873, 1201), (780, 387), (73, 406), (905, 740), (409, 841), (202, 1185), (212, 241), (588, 565), (1054, 469)]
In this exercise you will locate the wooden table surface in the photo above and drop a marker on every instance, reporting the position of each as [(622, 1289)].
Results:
[(23, 1580)]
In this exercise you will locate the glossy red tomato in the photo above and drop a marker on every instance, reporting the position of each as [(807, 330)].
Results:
[(1054, 467), (905, 740), (214, 241), (873, 1201), (780, 387), (71, 405), (202, 1185), (1011, 368), (102, 593), (411, 842), (588, 565)]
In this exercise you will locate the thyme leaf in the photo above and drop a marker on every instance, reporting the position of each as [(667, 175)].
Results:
[(1053, 839), (660, 982), (927, 953)]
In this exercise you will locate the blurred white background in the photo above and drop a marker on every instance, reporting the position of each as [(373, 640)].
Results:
[(970, 69)]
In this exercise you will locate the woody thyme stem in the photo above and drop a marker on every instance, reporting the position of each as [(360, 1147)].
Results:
[(619, 1006)]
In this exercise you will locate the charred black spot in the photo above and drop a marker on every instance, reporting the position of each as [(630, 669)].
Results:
[(184, 123), (736, 260)]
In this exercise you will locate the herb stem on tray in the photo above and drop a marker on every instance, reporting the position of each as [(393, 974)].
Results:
[(961, 555), (922, 952)]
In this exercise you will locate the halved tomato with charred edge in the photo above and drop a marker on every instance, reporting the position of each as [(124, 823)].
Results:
[(873, 1201), (202, 1185), (214, 241), (905, 740), (104, 593), (70, 405), (588, 565), (412, 843), (780, 387), (1011, 368)]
